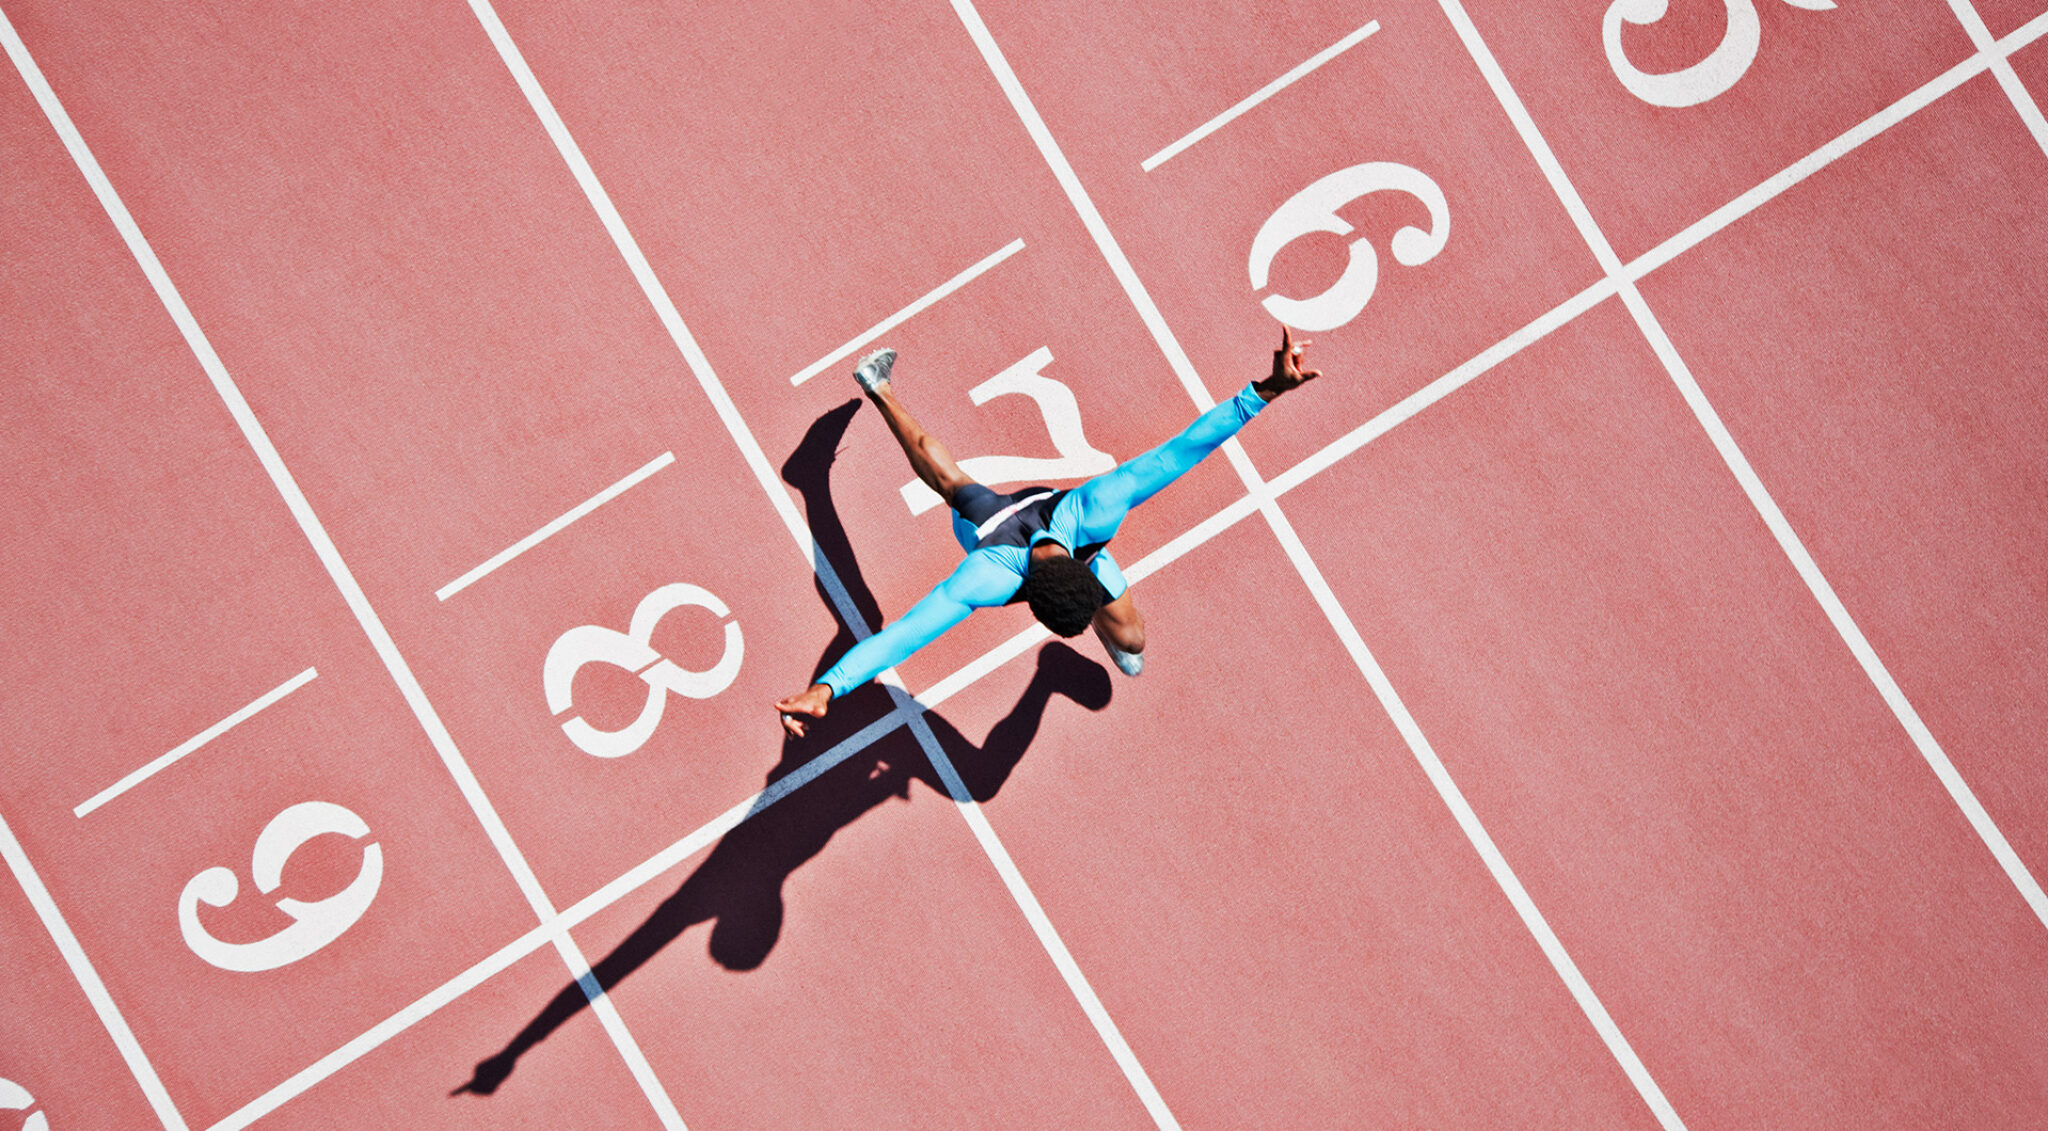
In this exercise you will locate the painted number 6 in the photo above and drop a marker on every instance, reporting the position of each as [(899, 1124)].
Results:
[(316, 924), (1314, 209)]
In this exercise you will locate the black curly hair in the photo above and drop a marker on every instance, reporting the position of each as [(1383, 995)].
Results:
[(1063, 594)]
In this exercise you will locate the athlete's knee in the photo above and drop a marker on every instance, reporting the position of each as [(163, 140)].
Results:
[(1125, 627), (939, 464), (1130, 638)]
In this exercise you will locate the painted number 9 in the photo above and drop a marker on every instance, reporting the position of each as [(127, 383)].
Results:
[(316, 924)]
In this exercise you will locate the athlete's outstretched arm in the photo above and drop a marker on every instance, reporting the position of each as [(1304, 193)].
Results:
[(977, 583), (1105, 499)]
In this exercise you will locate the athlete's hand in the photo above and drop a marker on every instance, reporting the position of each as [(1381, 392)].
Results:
[(1287, 371), (811, 702)]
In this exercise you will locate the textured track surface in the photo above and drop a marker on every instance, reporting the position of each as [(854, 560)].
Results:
[(1610, 698)]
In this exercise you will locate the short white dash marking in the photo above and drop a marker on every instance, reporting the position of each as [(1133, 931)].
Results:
[(196, 741), (555, 527), (908, 312), (1263, 93)]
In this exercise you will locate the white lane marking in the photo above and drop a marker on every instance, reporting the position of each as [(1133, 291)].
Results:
[(908, 312), (1263, 93), (412, 1014), (309, 523), (1805, 167), (1091, 219), (1837, 613), (555, 527), (273, 464), (195, 742), (1581, 991), (664, 307), (1034, 914), (785, 506), (2001, 65), (1442, 387), (1752, 485), (67, 943), (635, 878), (1468, 820), (607, 1013)]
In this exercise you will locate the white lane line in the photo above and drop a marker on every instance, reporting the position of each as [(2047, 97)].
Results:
[(779, 497), (1091, 219), (412, 1014), (632, 880), (267, 454), (1040, 922), (1698, 231), (664, 307), (1752, 485), (316, 534), (1567, 970), (1454, 799), (654, 867), (908, 312), (1436, 390), (2001, 65), (195, 742), (608, 1016), (673, 856), (555, 527), (67, 943), (1263, 93)]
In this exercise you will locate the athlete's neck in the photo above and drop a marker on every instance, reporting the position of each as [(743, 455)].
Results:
[(1047, 548)]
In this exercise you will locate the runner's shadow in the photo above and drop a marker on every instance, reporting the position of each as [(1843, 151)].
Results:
[(738, 888)]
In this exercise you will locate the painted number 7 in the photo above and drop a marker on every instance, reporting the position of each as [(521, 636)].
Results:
[(1077, 459)]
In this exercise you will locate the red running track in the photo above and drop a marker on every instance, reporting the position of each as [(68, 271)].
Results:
[(1610, 698)]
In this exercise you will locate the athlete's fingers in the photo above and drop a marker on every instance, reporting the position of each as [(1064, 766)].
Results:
[(791, 724)]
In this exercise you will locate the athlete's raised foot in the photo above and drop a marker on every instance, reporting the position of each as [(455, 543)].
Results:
[(1129, 663), (873, 370)]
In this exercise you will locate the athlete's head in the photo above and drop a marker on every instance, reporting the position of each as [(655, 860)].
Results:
[(1063, 594)]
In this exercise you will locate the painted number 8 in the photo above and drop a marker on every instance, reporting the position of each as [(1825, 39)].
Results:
[(632, 650), (14, 1097)]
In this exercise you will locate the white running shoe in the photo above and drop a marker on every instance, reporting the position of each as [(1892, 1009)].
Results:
[(1129, 663), (873, 370)]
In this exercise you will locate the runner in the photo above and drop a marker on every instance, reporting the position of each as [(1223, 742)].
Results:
[(1044, 547)]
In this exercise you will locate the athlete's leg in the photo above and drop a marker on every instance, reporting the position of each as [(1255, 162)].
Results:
[(928, 457), (1121, 628), (1120, 624)]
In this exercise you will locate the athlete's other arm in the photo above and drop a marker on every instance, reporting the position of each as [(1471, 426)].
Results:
[(976, 583), (1288, 374), (1104, 500)]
